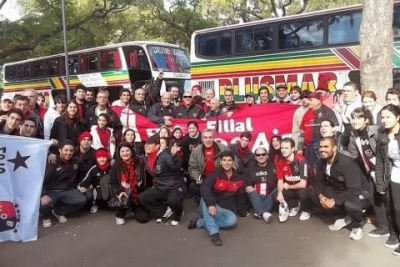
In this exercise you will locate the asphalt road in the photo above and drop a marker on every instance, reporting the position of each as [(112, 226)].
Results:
[(95, 240)]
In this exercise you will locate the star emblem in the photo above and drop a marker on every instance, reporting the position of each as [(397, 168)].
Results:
[(19, 161)]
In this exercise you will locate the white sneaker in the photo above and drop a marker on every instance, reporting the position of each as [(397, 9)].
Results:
[(340, 224), (60, 218), (175, 223), (168, 213), (159, 220), (293, 211), (356, 233), (94, 209), (304, 216), (46, 223), (256, 216), (267, 217), (119, 221)]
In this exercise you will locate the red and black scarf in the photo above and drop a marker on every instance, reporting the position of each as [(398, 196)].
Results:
[(128, 180), (104, 135)]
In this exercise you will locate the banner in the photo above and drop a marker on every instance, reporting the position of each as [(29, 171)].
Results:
[(262, 121), (22, 167)]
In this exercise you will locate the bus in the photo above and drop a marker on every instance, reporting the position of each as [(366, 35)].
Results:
[(116, 66), (300, 50)]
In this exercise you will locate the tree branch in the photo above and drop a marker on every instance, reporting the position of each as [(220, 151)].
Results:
[(2, 3)]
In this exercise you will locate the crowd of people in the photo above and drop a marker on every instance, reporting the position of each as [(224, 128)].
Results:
[(342, 158)]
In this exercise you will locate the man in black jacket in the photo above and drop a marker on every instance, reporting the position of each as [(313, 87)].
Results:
[(85, 150), (222, 195), (93, 113), (169, 187), (188, 109), (139, 103), (229, 105), (60, 194), (340, 185), (164, 112)]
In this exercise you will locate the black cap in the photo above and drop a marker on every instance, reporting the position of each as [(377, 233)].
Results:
[(279, 86), (249, 94)]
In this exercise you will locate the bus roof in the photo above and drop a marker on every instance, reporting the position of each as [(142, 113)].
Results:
[(291, 17), (130, 43)]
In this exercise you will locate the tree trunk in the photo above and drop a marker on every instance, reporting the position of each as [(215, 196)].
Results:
[(376, 41)]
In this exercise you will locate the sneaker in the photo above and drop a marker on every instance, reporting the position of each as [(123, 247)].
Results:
[(283, 212), (216, 240), (267, 217), (192, 224), (60, 218), (176, 222), (392, 241), (304, 216), (379, 231), (356, 233), (119, 221), (47, 223), (159, 220), (340, 224), (94, 209), (256, 216), (165, 217), (293, 211), (397, 251)]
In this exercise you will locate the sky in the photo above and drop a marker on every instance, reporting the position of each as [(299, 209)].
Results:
[(10, 11)]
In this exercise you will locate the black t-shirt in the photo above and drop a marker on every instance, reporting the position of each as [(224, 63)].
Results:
[(263, 178)]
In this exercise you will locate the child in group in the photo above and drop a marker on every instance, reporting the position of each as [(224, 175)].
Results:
[(103, 135), (93, 179)]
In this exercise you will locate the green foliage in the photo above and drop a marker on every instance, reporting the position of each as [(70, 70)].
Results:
[(99, 22)]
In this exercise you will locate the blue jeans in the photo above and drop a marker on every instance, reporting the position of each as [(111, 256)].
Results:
[(223, 219), (262, 203), (63, 201)]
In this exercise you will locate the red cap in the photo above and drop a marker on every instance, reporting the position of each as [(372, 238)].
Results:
[(196, 87), (102, 152), (315, 95), (84, 135)]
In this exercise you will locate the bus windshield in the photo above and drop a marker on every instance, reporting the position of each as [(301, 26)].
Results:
[(169, 59)]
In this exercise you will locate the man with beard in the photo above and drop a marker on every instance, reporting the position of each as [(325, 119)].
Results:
[(188, 109), (340, 187), (80, 95)]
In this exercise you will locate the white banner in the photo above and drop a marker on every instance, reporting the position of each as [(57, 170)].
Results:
[(22, 167)]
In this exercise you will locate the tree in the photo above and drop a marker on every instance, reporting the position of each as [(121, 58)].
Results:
[(376, 41)]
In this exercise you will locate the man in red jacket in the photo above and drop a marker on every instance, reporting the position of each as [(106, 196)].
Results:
[(292, 174)]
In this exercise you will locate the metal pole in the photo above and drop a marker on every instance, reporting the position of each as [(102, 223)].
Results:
[(65, 48)]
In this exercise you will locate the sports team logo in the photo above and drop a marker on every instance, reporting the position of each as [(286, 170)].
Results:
[(9, 216)]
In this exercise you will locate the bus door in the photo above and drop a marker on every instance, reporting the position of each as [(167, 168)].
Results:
[(137, 64)]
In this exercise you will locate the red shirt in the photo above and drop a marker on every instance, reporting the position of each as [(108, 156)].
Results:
[(292, 172), (209, 155)]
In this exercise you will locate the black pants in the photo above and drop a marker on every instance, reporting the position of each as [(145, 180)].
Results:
[(63, 201), (157, 201), (194, 189), (377, 202), (352, 207), (141, 214), (394, 198), (292, 196)]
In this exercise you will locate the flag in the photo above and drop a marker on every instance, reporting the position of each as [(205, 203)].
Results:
[(22, 167)]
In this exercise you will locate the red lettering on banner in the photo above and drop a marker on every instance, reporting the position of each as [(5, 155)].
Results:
[(235, 86), (308, 82), (266, 81), (224, 83), (332, 80), (255, 85), (247, 84), (291, 81)]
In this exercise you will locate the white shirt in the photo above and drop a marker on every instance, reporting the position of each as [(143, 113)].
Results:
[(48, 121), (98, 112), (394, 156), (328, 169)]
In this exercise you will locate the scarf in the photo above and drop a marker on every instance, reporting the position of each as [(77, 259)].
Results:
[(104, 167), (151, 159), (128, 180), (194, 136), (241, 150), (104, 135), (70, 122)]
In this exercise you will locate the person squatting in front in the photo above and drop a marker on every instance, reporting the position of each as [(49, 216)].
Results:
[(222, 195), (169, 187)]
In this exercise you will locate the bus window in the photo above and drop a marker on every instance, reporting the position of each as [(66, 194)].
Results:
[(244, 41), (263, 38), (396, 22), (11, 73), (214, 45), (23, 71), (136, 58), (39, 69), (73, 64), (168, 59), (309, 33), (54, 66), (93, 60), (83, 66), (344, 29)]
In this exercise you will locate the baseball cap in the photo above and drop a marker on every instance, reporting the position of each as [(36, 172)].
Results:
[(283, 212), (154, 139), (315, 95), (305, 94), (5, 97), (281, 86), (249, 94)]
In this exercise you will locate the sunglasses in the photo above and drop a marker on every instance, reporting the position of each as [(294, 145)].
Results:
[(261, 155), (187, 96)]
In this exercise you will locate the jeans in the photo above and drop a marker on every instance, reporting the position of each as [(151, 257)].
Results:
[(262, 203), (223, 219), (63, 201)]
